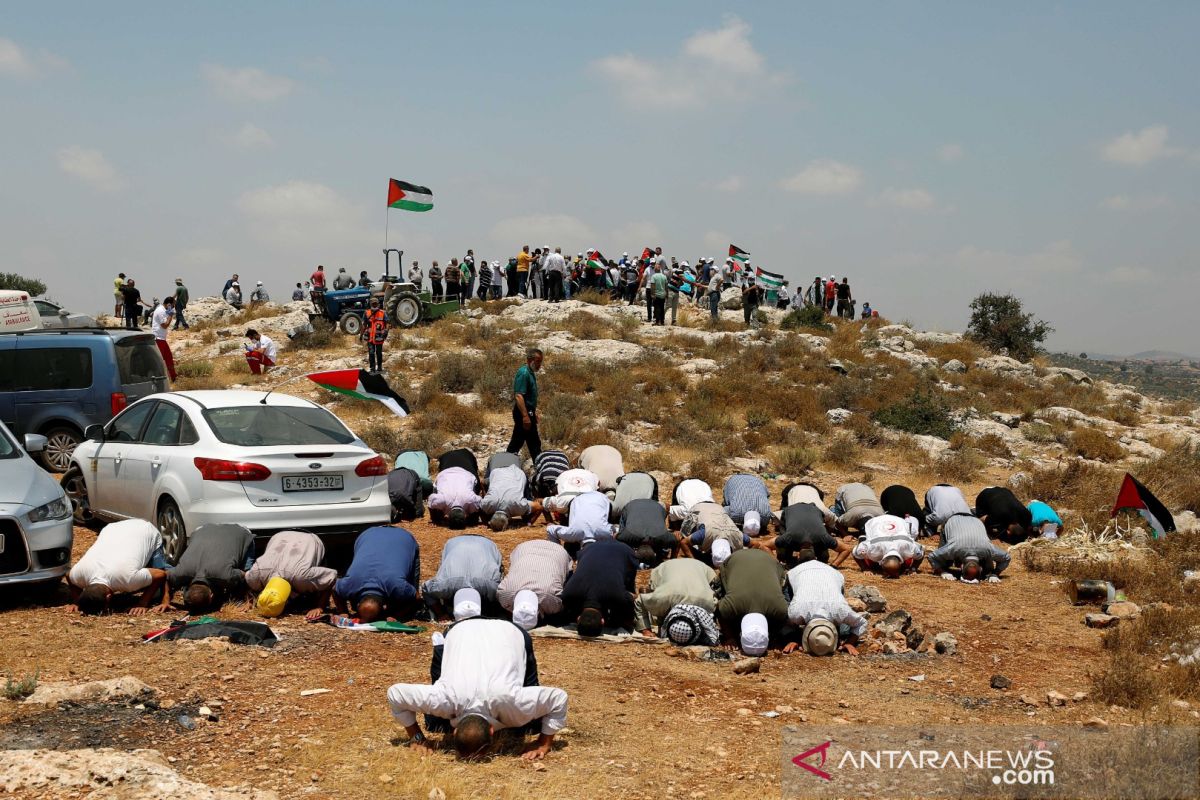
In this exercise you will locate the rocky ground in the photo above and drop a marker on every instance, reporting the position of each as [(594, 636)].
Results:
[(210, 719)]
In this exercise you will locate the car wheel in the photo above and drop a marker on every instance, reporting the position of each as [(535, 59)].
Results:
[(76, 488), (60, 444), (170, 525)]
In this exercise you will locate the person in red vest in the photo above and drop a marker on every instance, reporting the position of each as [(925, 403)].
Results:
[(375, 330)]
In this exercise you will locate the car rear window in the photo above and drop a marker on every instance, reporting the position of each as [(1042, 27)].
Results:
[(272, 426), (138, 360), (40, 369)]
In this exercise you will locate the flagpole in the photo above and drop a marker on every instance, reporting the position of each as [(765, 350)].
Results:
[(387, 217)]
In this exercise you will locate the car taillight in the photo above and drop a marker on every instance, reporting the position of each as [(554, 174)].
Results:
[(117, 402), (371, 467), (217, 469)]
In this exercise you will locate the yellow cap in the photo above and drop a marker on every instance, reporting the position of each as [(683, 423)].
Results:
[(274, 597)]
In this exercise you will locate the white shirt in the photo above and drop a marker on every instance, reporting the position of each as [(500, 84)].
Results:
[(483, 672), (888, 536), (497, 274), (267, 346), (605, 462), (803, 493), (943, 502), (119, 557), (159, 320), (817, 594), (555, 263), (415, 274)]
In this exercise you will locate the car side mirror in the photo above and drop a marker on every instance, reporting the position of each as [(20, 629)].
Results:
[(34, 443), (94, 433), (62, 312)]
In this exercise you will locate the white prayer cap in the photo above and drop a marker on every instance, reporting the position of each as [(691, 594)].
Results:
[(752, 523), (721, 550), (624, 254), (467, 604), (525, 609), (820, 637), (684, 264), (754, 634)]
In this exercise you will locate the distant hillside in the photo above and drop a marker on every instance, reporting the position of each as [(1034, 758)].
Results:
[(1145, 355), (1170, 375)]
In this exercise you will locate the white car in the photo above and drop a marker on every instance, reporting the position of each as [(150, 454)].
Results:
[(270, 462), (35, 516)]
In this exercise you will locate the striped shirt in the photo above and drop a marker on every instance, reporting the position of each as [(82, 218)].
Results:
[(817, 594), (541, 567), (745, 492), (966, 536), (467, 561), (547, 467)]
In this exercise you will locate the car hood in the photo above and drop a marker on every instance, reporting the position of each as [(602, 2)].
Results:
[(23, 482)]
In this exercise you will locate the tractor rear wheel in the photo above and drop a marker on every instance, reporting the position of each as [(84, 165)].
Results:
[(351, 324), (404, 309)]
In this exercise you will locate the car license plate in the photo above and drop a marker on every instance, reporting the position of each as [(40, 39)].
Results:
[(312, 483)]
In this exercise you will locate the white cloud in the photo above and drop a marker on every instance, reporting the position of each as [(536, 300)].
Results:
[(824, 176), (733, 183), (246, 84), (250, 136), (712, 66), (199, 257), (91, 167), (1055, 258), (1128, 275), (949, 153), (305, 215), (1125, 202), (1142, 147), (636, 235), (908, 199), (16, 62), (535, 230)]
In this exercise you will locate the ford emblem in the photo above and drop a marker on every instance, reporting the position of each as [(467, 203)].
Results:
[(315, 465)]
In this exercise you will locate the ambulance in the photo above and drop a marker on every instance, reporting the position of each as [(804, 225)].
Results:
[(17, 312)]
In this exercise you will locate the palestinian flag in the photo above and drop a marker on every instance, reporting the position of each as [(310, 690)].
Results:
[(738, 254), (1137, 497), (409, 196), (596, 261), (769, 280), (362, 385)]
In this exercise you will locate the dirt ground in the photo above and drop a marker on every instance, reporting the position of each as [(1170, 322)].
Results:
[(641, 723)]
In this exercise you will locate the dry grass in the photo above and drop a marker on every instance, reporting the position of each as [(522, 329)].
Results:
[(1095, 444), (795, 461), (1086, 487), (843, 450), (239, 318), (593, 297), (990, 444), (1175, 477)]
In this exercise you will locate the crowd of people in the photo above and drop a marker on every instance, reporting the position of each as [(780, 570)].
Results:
[(747, 572)]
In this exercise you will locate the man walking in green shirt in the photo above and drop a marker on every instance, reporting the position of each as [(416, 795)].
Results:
[(525, 399), (181, 301)]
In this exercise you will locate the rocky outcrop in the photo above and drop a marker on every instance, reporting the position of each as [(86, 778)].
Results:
[(1004, 365), (126, 689)]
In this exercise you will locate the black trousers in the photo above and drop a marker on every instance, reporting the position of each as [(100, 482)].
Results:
[(374, 357), (660, 310), (554, 286), (132, 315), (525, 438), (649, 304), (435, 287)]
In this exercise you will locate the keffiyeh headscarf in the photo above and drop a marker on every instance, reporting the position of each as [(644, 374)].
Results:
[(686, 625)]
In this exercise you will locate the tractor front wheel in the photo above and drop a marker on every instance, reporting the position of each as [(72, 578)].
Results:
[(351, 324)]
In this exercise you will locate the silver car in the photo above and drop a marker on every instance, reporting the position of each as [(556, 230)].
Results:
[(55, 316), (35, 516)]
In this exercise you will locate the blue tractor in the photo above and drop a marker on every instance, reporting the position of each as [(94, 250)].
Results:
[(403, 305)]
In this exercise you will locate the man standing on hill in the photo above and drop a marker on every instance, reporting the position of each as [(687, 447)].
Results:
[(375, 331), (555, 266), (181, 301), (160, 322), (132, 297), (523, 260), (415, 275), (658, 288), (525, 400), (844, 299), (118, 298)]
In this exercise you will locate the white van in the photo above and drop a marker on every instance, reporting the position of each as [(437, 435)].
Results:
[(17, 312)]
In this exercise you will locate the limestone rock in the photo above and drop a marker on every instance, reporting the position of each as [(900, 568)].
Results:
[(106, 773), (897, 621), (856, 604), (1054, 699), (747, 665), (607, 350), (838, 366), (1008, 420), (1000, 682), (1073, 375), (698, 366), (126, 689), (1122, 610), (1005, 366), (955, 366), (838, 415), (945, 643), (1095, 620), (870, 596)]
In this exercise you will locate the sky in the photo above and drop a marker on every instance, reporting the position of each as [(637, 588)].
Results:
[(928, 151)]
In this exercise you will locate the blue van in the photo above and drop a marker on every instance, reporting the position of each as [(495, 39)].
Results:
[(57, 382)]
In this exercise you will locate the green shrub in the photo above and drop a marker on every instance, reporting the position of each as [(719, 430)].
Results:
[(1096, 445), (797, 460), (19, 690), (322, 337), (811, 317), (921, 412), (757, 418), (1000, 323), (457, 373)]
